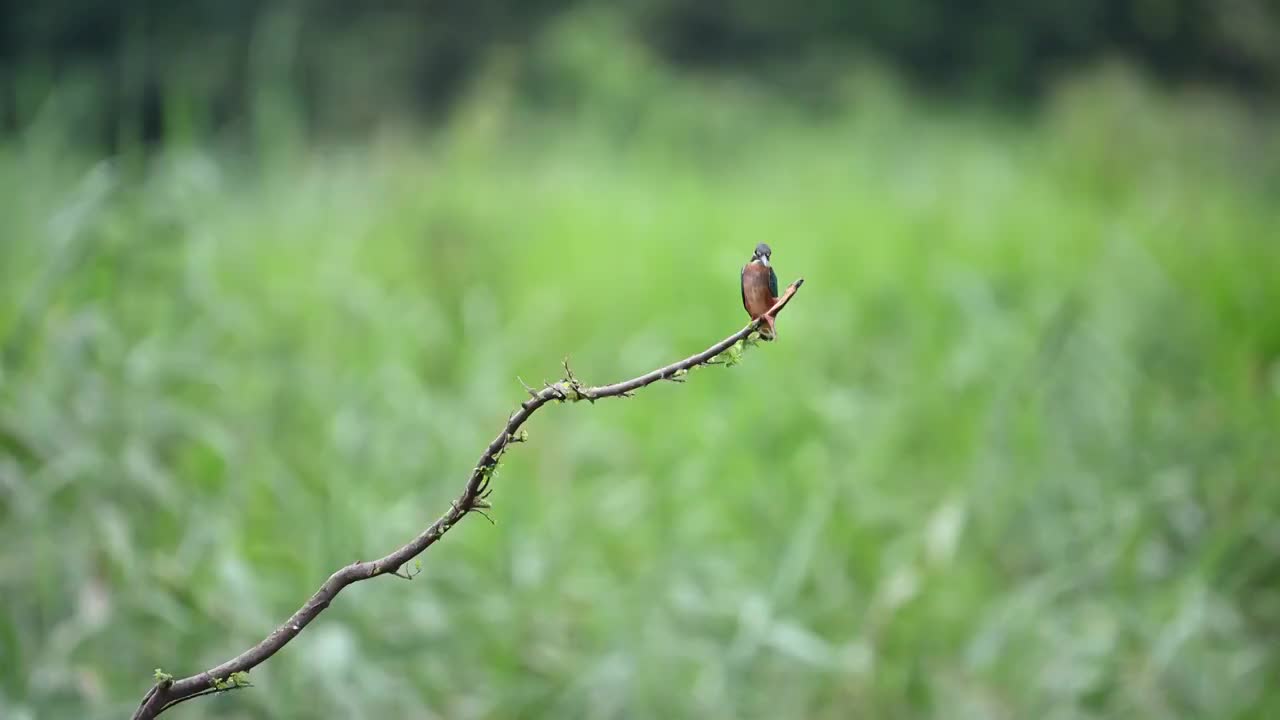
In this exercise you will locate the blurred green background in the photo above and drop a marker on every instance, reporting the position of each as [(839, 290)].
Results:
[(268, 275)]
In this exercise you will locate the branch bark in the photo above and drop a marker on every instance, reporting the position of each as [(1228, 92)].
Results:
[(168, 692)]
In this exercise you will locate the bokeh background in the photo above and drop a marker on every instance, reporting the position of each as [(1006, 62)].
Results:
[(269, 274)]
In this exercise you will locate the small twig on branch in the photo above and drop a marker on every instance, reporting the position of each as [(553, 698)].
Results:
[(168, 692)]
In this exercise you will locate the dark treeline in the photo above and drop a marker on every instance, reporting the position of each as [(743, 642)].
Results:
[(145, 60)]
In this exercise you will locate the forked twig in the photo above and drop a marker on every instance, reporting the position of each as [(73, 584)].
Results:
[(168, 692)]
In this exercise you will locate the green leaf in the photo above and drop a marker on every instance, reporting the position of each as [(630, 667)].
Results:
[(733, 355)]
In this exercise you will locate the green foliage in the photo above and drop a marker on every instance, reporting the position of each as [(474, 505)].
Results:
[(733, 355), (205, 67), (233, 681), (1013, 454)]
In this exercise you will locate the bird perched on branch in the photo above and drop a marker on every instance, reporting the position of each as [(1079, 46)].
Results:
[(760, 289)]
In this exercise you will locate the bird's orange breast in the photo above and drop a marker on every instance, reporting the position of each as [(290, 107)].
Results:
[(756, 297)]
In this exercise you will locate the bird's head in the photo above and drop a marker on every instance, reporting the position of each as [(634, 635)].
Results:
[(761, 255)]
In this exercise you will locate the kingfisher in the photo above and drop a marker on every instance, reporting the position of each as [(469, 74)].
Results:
[(760, 289)]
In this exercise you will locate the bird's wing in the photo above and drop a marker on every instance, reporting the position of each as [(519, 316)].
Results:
[(773, 283), (742, 285)]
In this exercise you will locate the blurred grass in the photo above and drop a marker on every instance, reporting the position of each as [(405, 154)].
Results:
[(1015, 454)]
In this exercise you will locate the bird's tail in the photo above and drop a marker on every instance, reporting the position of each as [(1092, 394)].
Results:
[(768, 330)]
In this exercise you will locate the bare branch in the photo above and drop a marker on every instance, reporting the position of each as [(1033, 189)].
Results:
[(168, 692)]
